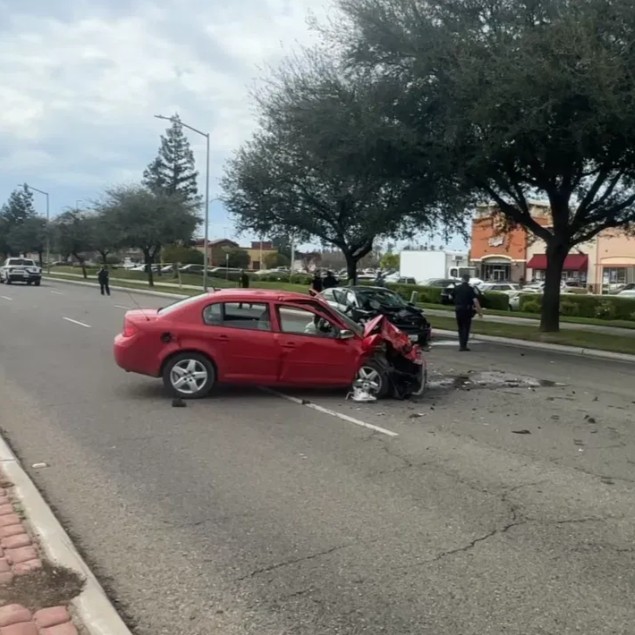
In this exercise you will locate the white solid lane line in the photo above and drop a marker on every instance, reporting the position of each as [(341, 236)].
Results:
[(86, 326), (332, 413), (6, 297), (57, 293), (120, 306)]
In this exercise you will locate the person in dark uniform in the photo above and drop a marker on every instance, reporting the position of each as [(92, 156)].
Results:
[(330, 281), (244, 279), (466, 305), (316, 283), (103, 278)]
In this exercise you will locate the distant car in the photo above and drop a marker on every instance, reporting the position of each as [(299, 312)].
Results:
[(195, 269), (439, 282), (20, 270), (268, 338), (627, 292), (364, 303), (514, 299)]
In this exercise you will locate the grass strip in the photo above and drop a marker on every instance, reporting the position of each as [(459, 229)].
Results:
[(577, 338)]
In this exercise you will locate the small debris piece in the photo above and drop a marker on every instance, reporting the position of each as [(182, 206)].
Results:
[(39, 466), (521, 432), (178, 403)]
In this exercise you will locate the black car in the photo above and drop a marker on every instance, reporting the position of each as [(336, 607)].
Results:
[(363, 303)]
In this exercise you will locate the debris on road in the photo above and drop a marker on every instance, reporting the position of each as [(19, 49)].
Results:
[(521, 432), (179, 403)]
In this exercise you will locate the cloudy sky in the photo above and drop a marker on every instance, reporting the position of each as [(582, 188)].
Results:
[(82, 79)]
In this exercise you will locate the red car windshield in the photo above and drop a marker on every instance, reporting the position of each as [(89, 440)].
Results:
[(179, 304)]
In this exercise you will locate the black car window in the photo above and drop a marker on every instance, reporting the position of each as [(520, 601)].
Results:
[(385, 297), (238, 315)]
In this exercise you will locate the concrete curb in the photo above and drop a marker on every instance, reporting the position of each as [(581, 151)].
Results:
[(95, 610), (160, 294), (541, 346)]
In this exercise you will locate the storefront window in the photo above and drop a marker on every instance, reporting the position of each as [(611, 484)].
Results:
[(615, 275)]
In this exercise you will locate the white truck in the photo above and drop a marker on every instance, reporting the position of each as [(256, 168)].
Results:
[(429, 264)]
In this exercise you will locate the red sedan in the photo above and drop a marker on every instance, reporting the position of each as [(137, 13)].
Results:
[(266, 338)]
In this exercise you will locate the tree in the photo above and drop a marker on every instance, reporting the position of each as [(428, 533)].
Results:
[(320, 165), (389, 261), (28, 236), (182, 255), (104, 235), (518, 100), (19, 207), (173, 171), (275, 259), (73, 233), (148, 219), (236, 258)]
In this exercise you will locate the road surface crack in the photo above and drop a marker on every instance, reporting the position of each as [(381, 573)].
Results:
[(293, 561)]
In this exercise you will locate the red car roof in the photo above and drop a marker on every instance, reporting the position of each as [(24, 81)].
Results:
[(262, 294)]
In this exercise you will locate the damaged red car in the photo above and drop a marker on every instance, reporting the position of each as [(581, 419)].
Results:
[(267, 338)]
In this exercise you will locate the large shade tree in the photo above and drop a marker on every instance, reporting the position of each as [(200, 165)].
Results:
[(330, 163), (73, 235), (148, 220), (519, 99)]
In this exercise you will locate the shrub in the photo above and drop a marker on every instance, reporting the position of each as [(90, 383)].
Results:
[(605, 310), (569, 308), (530, 305), (587, 306), (496, 301)]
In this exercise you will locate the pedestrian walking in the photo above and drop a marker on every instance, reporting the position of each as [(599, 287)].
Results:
[(244, 279), (466, 306), (104, 280)]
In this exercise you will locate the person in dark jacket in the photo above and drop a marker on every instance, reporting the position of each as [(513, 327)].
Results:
[(316, 284), (244, 279), (330, 281), (466, 306), (104, 280)]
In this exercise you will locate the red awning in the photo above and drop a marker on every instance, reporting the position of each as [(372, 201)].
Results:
[(573, 262)]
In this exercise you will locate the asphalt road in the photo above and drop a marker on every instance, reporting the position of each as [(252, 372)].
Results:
[(503, 506)]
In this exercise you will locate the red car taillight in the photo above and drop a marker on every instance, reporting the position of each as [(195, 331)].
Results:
[(129, 329)]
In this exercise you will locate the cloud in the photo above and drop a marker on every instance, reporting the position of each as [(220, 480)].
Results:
[(82, 79)]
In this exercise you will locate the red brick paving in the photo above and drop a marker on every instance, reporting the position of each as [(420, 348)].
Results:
[(19, 555)]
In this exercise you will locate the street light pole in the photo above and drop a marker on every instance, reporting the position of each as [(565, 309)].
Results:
[(48, 228), (207, 161)]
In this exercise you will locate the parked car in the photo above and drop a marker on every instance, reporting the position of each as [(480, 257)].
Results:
[(20, 270), (627, 292), (364, 303), (269, 338)]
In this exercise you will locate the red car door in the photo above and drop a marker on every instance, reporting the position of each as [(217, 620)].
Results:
[(242, 335), (312, 354)]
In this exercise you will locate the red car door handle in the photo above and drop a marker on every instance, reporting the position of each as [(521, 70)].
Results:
[(289, 345), (223, 337)]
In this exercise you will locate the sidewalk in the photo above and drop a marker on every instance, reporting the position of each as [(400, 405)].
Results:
[(574, 326)]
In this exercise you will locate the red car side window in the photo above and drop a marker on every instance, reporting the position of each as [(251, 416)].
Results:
[(238, 315), (296, 321)]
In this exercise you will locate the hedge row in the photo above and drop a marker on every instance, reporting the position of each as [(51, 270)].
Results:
[(587, 306)]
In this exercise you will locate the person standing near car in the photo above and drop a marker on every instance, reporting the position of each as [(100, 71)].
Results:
[(104, 280), (466, 305), (330, 281), (316, 284), (244, 279)]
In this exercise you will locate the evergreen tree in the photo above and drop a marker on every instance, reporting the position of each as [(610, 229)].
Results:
[(19, 207), (174, 171)]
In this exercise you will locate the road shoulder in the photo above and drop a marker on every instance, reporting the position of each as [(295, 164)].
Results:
[(96, 613)]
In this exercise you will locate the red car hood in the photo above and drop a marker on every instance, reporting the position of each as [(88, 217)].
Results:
[(390, 333)]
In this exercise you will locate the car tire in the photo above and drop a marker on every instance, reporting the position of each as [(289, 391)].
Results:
[(37, 283), (28, 283), (373, 372), (8, 280), (189, 376)]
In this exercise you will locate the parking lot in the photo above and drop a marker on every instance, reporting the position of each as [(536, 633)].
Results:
[(500, 502)]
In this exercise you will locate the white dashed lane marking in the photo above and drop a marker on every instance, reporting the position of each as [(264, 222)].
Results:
[(7, 298), (86, 326), (332, 413)]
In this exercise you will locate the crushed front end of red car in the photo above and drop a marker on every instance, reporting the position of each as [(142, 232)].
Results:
[(403, 361)]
